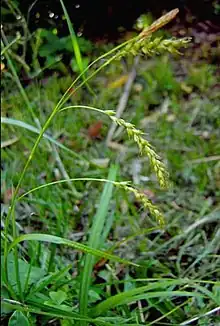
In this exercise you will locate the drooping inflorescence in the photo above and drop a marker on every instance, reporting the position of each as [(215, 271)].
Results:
[(145, 148), (140, 196)]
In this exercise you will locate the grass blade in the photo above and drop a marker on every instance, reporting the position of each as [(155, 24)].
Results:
[(94, 242), (49, 311), (31, 128), (5, 48), (61, 241), (145, 292), (75, 44)]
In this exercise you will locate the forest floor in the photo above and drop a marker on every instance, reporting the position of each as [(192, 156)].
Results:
[(175, 101)]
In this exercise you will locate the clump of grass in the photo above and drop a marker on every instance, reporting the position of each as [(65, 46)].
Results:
[(52, 295), (143, 37)]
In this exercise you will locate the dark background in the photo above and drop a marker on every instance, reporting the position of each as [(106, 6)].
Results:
[(99, 18)]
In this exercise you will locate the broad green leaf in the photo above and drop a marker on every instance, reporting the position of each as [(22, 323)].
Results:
[(74, 65), (65, 322), (58, 297), (51, 279), (4, 294), (94, 296), (18, 319), (36, 273)]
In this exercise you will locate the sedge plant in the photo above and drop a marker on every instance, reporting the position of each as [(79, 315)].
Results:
[(30, 291)]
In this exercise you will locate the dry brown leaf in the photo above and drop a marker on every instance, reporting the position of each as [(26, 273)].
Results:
[(95, 129)]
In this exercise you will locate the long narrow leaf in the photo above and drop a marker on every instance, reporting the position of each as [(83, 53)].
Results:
[(94, 241), (75, 44), (29, 127), (61, 241), (99, 310), (49, 311), (143, 292)]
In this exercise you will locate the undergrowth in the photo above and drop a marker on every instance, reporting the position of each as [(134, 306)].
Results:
[(69, 257)]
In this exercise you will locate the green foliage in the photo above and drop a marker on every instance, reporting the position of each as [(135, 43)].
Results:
[(202, 77), (47, 49), (52, 47), (56, 299), (28, 274), (95, 241), (18, 318), (122, 269), (162, 74)]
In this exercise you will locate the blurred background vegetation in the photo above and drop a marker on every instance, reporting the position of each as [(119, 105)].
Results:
[(175, 100)]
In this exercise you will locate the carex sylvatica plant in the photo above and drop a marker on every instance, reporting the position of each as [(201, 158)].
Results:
[(26, 299), (141, 44)]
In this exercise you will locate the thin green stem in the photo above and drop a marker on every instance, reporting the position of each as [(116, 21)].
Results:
[(20, 87), (73, 179), (14, 230), (14, 197), (16, 262), (5, 48), (83, 107)]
